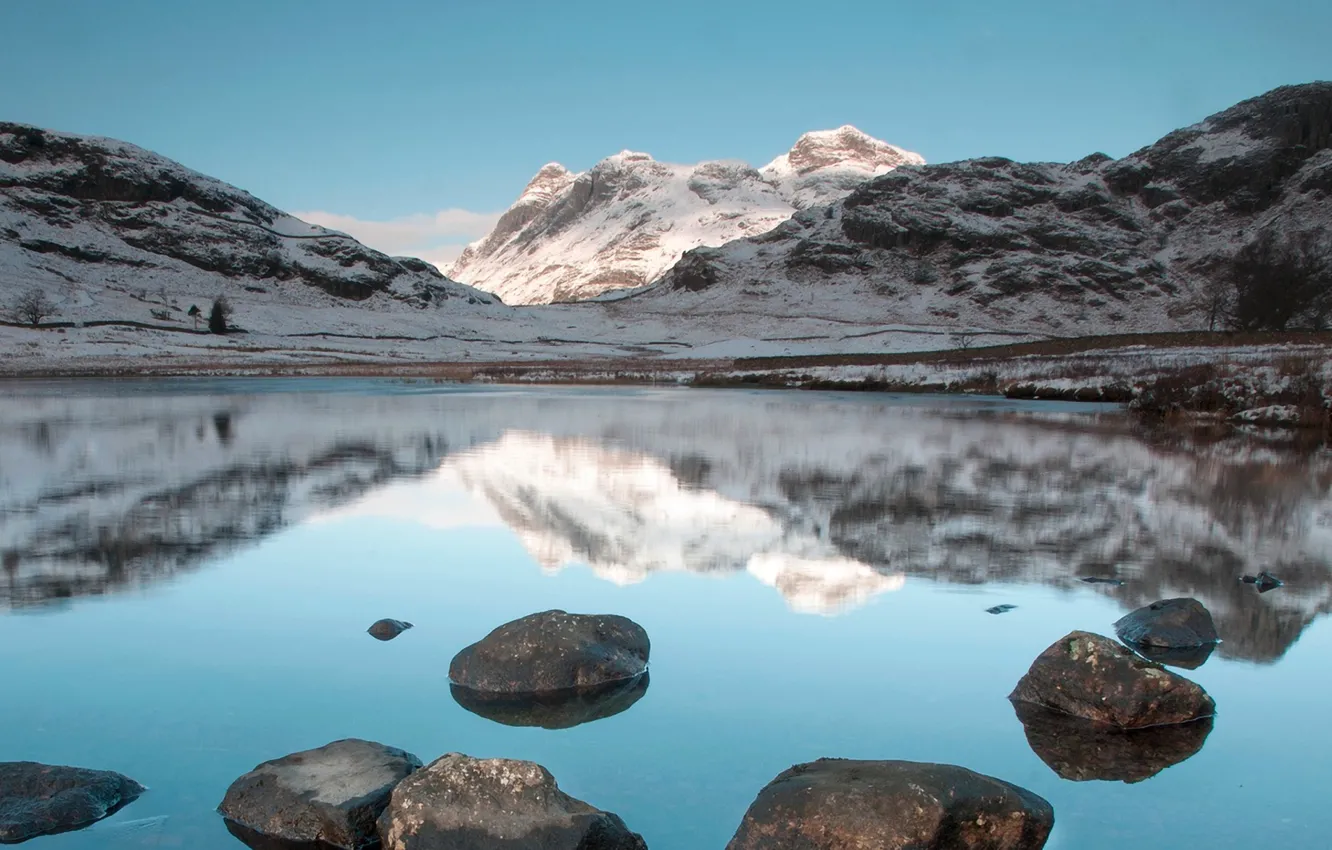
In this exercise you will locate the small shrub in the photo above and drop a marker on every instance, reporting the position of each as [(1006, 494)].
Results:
[(1193, 389)]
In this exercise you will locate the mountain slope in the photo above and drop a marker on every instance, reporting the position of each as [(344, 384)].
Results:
[(105, 228), (1094, 245), (627, 219)]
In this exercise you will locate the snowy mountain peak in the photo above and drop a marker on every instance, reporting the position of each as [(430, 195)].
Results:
[(625, 221), (844, 147), (629, 156), (546, 183)]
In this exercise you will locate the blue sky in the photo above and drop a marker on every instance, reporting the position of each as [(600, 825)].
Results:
[(381, 111)]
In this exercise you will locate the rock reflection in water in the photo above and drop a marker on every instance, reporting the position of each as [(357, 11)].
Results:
[(1080, 750), (554, 709), (259, 841), (1189, 658)]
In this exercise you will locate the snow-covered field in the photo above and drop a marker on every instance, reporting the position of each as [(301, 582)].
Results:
[(383, 331)]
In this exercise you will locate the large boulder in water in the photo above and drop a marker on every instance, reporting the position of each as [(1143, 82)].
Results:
[(1098, 679), (43, 799), (488, 804), (841, 804), (1079, 750), (553, 709), (332, 794), (553, 651), (1168, 624)]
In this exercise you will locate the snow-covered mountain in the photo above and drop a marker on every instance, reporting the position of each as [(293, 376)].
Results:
[(1094, 246), (829, 502), (629, 218), (110, 231)]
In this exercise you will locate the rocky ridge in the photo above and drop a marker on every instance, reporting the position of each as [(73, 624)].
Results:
[(1068, 249)]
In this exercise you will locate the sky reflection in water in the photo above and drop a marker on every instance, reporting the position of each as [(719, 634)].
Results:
[(814, 571)]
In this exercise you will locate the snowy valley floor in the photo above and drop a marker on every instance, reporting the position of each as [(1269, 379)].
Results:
[(1256, 378)]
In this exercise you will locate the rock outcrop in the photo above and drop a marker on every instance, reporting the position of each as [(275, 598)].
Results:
[(1097, 679), (42, 799), (553, 651), (1137, 243), (838, 804), (332, 794), (626, 220), (458, 801)]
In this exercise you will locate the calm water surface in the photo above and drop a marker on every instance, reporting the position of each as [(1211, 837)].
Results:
[(190, 567)]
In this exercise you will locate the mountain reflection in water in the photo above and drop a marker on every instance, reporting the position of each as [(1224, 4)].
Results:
[(830, 500)]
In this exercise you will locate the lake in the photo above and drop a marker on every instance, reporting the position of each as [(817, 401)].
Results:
[(190, 567)]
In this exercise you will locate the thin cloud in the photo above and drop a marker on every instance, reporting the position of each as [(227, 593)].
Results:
[(437, 238)]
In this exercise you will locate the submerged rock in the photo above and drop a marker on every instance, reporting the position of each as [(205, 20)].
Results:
[(332, 794), (1095, 678), (1000, 609), (553, 709), (42, 799), (553, 651), (461, 802), (1168, 624), (388, 629), (1080, 750), (1115, 582), (839, 804)]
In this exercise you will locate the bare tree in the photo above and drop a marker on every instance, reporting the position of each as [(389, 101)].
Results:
[(1278, 284), (33, 306), (1218, 305), (964, 339)]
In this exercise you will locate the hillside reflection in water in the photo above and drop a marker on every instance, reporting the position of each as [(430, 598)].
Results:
[(814, 570)]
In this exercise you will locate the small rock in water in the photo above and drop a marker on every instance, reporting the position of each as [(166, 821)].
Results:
[(1098, 679), (1103, 580), (1168, 624), (1000, 609), (332, 794), (1266, 581), (459, 802), (553, 651), (42, 799), (388, 629), (1080, 750), (837, 804), (553, 709)]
